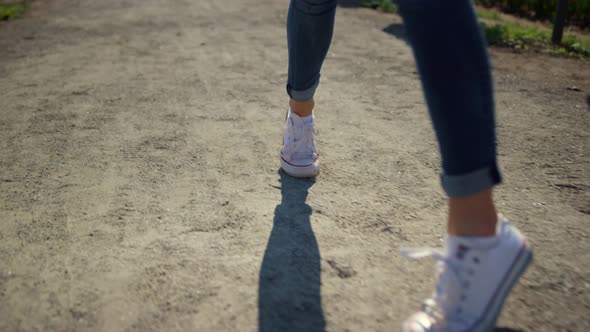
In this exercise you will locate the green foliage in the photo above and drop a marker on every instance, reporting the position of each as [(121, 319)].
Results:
[(10, 11), (489, 15), (578, 10), (519, 37), (578, 46), (383, 5)]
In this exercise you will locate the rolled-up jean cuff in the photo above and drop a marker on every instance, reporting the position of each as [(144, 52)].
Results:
[(471, 183), (303, 95)]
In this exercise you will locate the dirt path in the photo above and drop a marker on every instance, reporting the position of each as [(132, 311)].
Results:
[(139, 177)]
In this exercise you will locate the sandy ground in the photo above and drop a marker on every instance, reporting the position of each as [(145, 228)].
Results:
[(140, 186)]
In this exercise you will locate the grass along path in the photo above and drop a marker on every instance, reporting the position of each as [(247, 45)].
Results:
[(9, 11)]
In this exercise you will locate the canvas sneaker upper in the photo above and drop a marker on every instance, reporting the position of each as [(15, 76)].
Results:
[(299, 154), (474, 276)]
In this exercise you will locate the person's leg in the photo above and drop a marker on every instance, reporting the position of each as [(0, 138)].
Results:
[(453, 64), (310, 25), (484, 256)]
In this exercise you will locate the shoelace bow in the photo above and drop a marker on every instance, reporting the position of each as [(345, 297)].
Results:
[(440, 307)]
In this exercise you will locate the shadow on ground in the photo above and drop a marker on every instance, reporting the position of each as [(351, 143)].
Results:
[(588, 101), (397, 30), (349, 3), (506, 329), (289, 296)]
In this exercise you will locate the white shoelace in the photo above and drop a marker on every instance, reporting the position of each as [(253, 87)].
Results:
[(443, 305), (303, 143)]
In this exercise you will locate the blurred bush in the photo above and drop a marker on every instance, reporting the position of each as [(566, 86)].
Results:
[(9, 11), (578, 10)]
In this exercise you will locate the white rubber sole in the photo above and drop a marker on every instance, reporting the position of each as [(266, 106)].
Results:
[(305, 171)]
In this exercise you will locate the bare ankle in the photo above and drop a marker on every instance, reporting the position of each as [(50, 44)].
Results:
[(474, 215), (302, 108)]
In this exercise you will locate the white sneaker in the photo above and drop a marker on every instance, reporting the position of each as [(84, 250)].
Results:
[(299, 155), (475, 276)]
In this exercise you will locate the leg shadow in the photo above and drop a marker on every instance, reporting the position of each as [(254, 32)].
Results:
[(289, 296), (397, 30)]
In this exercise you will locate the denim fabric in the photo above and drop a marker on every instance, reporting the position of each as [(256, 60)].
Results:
[(310, 24)]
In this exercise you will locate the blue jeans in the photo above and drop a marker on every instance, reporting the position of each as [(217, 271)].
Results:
[(454, 68)]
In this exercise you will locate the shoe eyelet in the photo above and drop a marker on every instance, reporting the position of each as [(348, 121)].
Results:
[(476, 260), (466, 284), (463, 297)]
